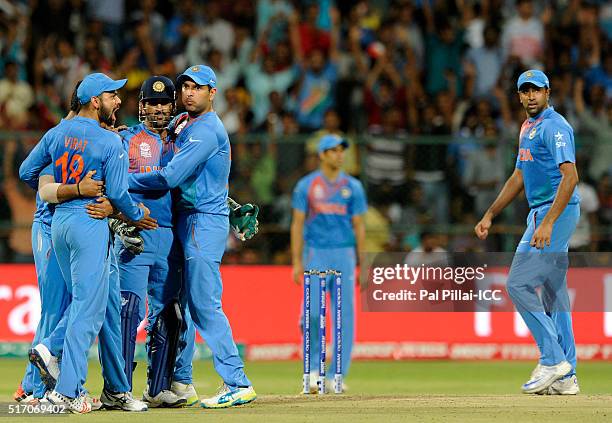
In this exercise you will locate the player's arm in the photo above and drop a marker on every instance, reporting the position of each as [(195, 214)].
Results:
[(512, 188), (297, 244), (193, 153), (559, 140), (360, 236), (53, 192), (569, 180), (37, 160), (359, 207)]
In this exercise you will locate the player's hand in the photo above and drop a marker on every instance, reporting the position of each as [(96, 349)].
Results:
[(298, 273), (147, 222), (541, 236), (482, 227), (243, 221), (176, 125), (89, 187), (101, 209), (128, 234)]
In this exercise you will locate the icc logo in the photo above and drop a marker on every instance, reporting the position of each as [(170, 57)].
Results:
[(145, 150)]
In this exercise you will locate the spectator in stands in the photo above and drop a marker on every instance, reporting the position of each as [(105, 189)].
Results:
[(484, 175), (598, 121), (318, 73), (112, 15), (16, 97), (483, 65), (407, 33), (13, 37), (523, 35), (383, 91), (22, 202), (216, 33), (443, 47), (386, 161)]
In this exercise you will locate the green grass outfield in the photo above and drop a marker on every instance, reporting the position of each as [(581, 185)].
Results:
[(415, 391)]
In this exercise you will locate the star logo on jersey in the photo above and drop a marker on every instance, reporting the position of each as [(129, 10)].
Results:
[(158, 86), (559, 137), (345, 192), (145, 150), (532, 133)]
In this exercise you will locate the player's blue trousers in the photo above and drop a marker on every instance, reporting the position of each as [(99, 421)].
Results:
[(342, 259), (54, 297), (82, 246), (109, 345), (109, 338), (203, 237), (549, 318), (156, 275)]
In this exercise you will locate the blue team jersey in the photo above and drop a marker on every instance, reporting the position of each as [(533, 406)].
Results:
[(73, 148), (329, 208), (147, 153), (44, 211), (545, 142), (200, 167)]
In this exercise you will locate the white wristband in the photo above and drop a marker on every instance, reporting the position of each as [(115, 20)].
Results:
[(48, 192)]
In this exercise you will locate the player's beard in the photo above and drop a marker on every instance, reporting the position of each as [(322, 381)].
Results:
[(106, 116)]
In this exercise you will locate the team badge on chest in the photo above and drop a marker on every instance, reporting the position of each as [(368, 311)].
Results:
[(345, 192), (532, 133)]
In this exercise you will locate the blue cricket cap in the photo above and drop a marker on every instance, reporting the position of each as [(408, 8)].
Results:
[(200, 74), (331, 141), (95, 84), (533, 76)]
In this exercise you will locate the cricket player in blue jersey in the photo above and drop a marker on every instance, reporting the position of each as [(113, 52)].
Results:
[(53, 290), (44, 355), (53, 294), (328, 208), (158, 269), (546, 170), (75, 147), (201, 170)]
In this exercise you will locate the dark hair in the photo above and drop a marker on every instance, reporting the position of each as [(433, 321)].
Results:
[(75, 105)]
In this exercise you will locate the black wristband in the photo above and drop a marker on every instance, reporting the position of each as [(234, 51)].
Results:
[(78, 189)]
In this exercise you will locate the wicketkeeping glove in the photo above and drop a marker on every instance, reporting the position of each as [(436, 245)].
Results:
[(243, 219), (128, 235)]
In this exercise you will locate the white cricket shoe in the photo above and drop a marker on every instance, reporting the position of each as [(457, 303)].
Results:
[(46, 363), (228, 397), (566, 386), (121, 401), (165, 399), (186, 392), (544, 376), (78, 405)]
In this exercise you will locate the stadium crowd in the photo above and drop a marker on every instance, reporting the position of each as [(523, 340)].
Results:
[(423, 89)]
